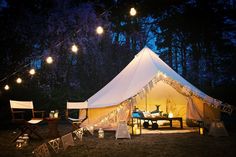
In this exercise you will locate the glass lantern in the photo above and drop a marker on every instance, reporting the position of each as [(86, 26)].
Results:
[(136, 126), (100, 133)]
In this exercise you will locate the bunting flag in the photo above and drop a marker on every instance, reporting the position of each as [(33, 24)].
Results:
[(90, 129), (227, 108), (79, 133), (67, 140), (150, 85), (42, 151), (146, 89), (55, 144)]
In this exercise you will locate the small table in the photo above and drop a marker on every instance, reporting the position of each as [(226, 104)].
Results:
[(155, 119), (52, 126)]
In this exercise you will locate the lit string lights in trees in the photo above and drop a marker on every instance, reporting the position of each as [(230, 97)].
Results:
[(99, 30), (132, 12), (49, 60), (19, 80)]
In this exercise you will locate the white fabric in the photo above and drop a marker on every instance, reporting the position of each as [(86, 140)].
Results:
[(122, 130), (21, 104), (134, 77), (77, 105), (35, 121)]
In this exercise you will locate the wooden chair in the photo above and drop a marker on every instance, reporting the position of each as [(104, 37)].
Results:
[(18, 110), (81, 115)]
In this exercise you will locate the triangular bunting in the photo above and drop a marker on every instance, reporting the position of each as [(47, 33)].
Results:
[(55, 144), (42, 151), (67, 140)]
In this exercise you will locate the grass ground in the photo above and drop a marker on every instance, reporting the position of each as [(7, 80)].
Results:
[(149, 145)]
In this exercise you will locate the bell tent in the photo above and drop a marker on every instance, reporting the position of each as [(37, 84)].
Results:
[(145, 82)]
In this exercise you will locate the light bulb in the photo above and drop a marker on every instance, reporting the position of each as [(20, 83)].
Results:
[(32, 71), (6, 87), (18, 80), (74, 48), (49, 60), (99, 30), (133, 12)]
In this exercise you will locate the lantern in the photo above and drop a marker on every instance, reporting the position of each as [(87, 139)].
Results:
[(170, 115), (136, 126), (25, 139), (19, 143), (51, 114), (56, 113), (201, 128), (100, 133)]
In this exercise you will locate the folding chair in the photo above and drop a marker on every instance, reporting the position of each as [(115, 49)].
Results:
[(18, 110), (81, 115)]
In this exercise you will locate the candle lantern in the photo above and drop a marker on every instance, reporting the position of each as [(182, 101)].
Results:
[(51, 114), (19, 143), (170, 115), (56, 113), (201, 128), (100, 133), (136, 126), (25, 139)]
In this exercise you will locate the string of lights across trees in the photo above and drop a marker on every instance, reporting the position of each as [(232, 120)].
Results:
[(49, 59)]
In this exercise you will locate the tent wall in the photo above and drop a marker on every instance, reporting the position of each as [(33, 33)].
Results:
[(167, 97)]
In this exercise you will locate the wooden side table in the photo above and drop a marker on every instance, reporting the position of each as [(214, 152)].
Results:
[(52, 127)]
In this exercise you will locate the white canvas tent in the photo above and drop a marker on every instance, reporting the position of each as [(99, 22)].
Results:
[(145, 82)]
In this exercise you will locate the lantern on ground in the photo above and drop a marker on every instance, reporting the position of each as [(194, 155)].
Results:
[(56, 113), (100, 133), (201, 128), (19, 143), (26, 139)]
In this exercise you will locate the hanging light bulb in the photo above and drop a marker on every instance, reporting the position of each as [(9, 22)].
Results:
[(49, 60), (32, 71), (74, 48), (18, 80), (133, 12), (6, 87), (99, 30)]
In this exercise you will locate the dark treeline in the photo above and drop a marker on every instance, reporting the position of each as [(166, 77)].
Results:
[(197, 38)]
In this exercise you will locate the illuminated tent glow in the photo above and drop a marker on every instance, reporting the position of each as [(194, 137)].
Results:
[(145, 82)]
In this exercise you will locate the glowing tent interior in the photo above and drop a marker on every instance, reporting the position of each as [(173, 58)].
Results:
[(145, 82)]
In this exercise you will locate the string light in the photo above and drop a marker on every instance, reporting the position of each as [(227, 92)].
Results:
[(133, 12), (74, 48), (32, 71), (99, 30), (49, 60), (18, 80), (6, 87)]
